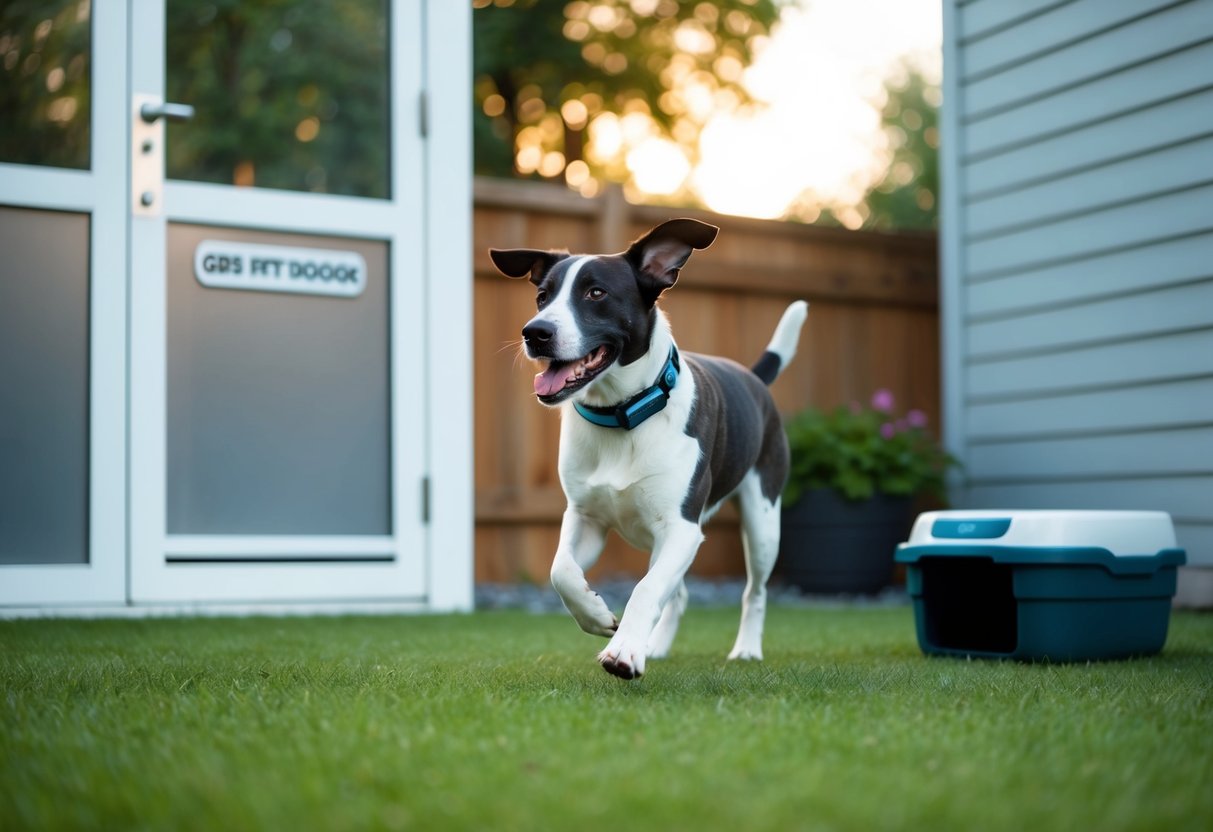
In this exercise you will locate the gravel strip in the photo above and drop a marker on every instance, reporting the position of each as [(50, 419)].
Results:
[(703, 593)]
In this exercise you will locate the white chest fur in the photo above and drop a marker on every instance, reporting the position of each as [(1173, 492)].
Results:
[(632, 481)]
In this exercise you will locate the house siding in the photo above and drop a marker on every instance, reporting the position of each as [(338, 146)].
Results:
[(1077, 256)]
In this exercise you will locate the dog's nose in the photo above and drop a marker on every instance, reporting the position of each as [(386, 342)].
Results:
[(538, 332)]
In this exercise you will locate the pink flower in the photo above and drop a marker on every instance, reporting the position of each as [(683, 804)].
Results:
[(882, 400), (887, 430), (917, 419)]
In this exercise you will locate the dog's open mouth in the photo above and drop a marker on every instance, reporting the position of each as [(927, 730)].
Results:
[(560, 378)]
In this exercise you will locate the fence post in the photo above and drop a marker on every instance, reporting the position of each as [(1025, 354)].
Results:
[(613, 219)]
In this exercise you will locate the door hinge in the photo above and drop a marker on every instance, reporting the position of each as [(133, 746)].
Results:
[(425, 500), (423, 114)]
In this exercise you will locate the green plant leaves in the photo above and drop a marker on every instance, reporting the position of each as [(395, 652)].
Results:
[(863, 451)]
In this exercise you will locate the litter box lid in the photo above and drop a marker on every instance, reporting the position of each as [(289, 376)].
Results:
[(1120, 533)]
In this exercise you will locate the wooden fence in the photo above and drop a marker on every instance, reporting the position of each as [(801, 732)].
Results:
[(873, 323)]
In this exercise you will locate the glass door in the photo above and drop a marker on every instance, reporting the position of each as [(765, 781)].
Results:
[(277, 330), (63, 214)]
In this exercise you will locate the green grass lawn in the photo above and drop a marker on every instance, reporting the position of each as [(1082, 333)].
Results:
[(504, 721)]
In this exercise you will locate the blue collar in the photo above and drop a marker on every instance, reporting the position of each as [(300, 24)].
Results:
[(647, 402)]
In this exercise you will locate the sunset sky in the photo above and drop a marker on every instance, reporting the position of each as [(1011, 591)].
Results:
[(820, 78)]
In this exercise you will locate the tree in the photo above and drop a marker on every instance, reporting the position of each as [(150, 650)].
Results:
[(908, 196), (289, 94), (570, 87), (45, 105)]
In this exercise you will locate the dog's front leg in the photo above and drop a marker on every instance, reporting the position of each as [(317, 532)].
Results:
[(673, 551), (581, 542)]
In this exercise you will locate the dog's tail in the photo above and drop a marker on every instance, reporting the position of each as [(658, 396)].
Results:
[(782, 349)]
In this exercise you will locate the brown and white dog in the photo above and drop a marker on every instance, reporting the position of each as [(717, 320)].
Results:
[(652, 440)]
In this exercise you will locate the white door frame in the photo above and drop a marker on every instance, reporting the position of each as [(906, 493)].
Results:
[(400, 221), (99, 192), (427, 222), (447, 284)]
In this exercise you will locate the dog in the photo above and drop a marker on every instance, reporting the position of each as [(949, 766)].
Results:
[(652, 440)]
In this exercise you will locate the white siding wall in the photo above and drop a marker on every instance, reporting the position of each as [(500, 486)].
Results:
[(1078, 255)]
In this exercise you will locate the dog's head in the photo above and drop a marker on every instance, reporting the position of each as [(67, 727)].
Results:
[(597, 310)]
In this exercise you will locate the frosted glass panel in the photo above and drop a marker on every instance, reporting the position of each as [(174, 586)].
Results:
[(43, 387), (278, 404)]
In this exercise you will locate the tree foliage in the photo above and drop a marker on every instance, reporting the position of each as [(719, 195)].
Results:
[(295, 93), (908, 196), (289, 94), (545, 69), (45, 105)]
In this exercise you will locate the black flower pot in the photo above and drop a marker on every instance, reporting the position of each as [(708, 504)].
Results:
[(831, 545)]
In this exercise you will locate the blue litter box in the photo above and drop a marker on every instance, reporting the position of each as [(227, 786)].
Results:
[(1042, 585)]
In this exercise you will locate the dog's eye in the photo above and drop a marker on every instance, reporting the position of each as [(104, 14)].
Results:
[(595, 294), (541, 297)]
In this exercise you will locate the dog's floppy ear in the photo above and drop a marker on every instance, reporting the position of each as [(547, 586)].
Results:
[(525, 262), (658, 255)]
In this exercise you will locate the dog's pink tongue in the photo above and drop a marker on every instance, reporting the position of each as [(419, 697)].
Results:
[(553, 379)]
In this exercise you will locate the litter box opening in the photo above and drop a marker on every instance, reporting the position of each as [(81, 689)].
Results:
[(969, 605)]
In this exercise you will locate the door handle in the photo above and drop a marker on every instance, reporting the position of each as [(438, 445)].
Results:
[(148, 115), (167, 110)]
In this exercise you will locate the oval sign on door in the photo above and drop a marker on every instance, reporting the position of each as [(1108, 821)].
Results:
[(221, 264)]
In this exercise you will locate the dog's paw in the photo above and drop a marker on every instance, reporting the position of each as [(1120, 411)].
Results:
[(747, 654), (622, 662), (605, 627), (594, 616), (662, 637), (660, 643), (659, 651)]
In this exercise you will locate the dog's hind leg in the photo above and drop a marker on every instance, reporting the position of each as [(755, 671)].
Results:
[(760, 542), (667, 626), (581, 542)]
